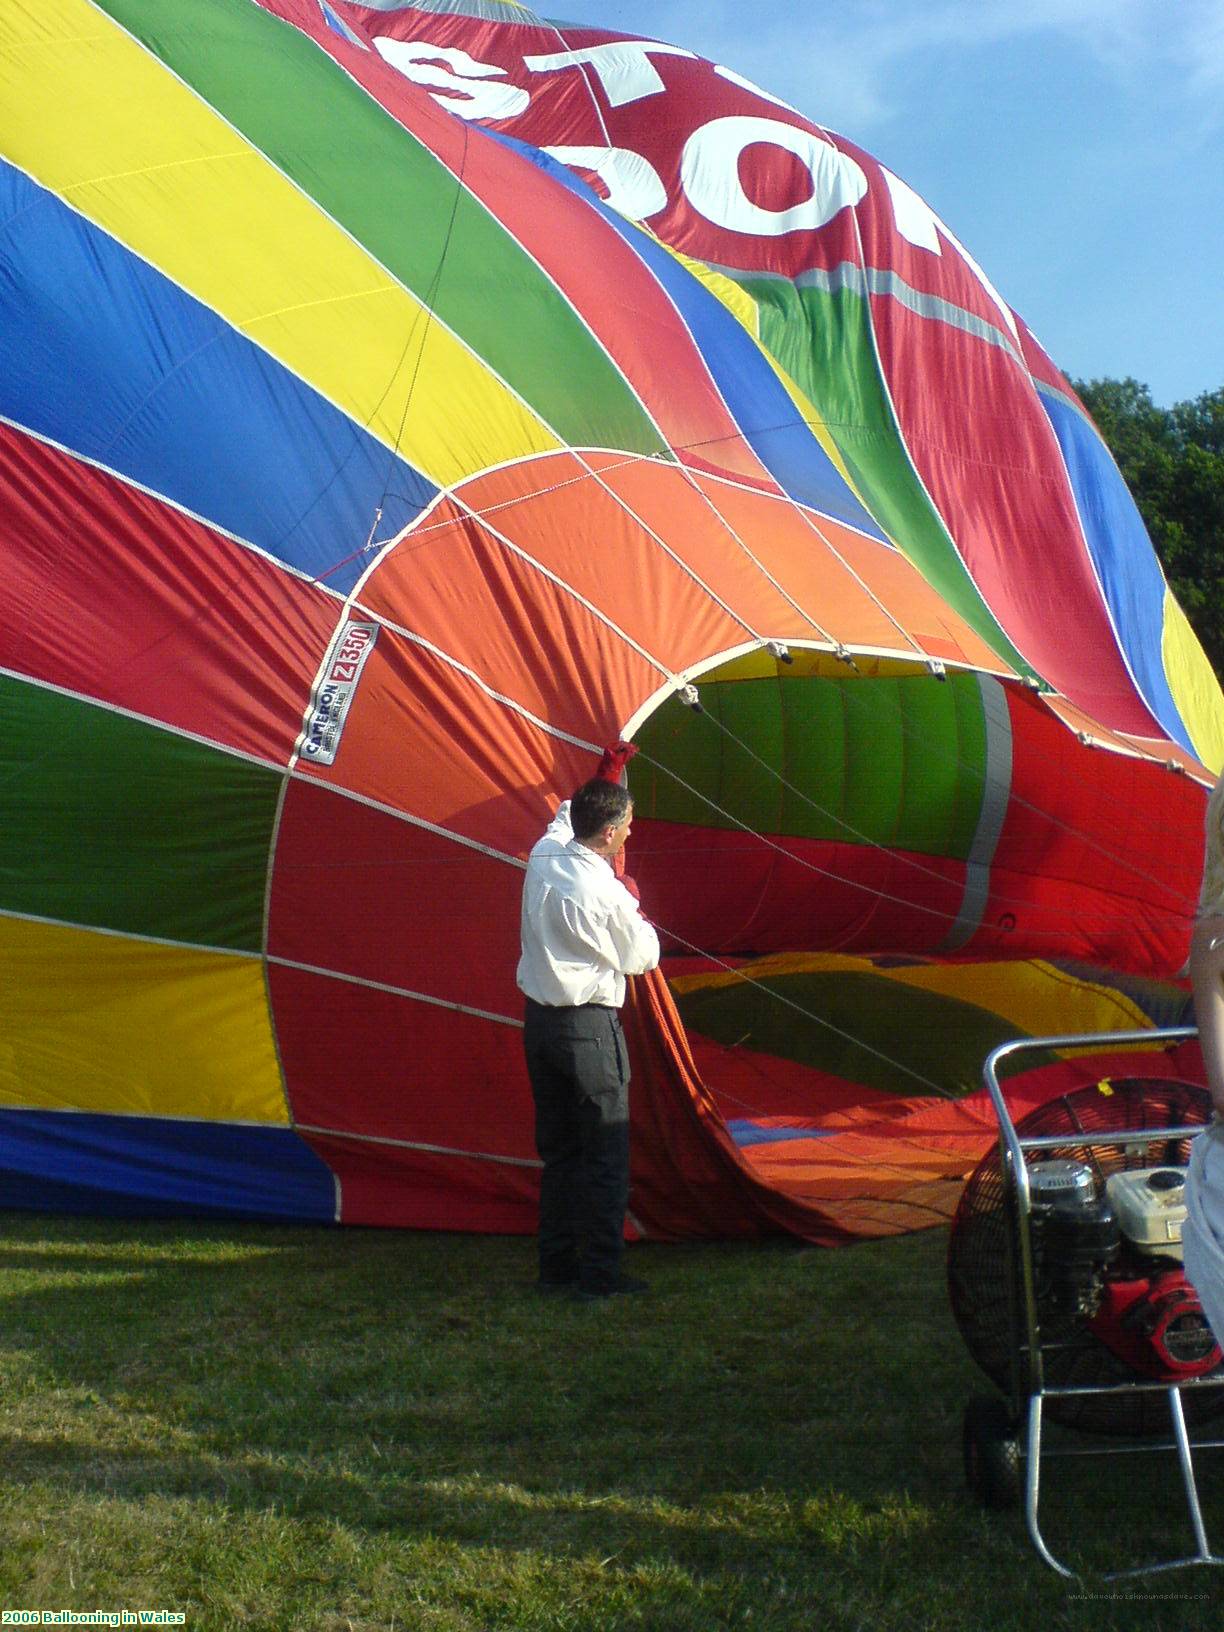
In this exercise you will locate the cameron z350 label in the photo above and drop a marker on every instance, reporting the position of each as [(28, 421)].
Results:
[(333, 692)]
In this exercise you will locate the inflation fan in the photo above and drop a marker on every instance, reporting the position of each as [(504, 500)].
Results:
[(1066, 1280)]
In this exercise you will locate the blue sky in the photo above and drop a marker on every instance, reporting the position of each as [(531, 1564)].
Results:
[(1075, 147)]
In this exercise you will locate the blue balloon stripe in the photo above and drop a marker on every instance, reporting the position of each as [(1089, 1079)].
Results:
[(1123, 556), (755, 397), (746, 1133), (106, 356), (142, 1167)]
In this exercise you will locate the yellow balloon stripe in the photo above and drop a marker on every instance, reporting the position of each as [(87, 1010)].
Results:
[(103, 1023), (1196, 691), (135, 150), (1034, 997), (744, 308)]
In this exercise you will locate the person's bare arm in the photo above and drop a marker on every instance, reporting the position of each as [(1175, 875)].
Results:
[(1207, 978)]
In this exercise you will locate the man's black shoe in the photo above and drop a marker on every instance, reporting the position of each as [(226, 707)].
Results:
[(623, 1286)]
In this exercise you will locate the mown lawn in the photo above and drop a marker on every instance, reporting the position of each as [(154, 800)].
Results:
[(301, 1429)]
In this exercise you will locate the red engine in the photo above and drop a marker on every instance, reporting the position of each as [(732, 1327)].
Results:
[(1114, 1259)]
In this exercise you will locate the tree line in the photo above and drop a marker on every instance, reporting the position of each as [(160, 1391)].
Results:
[(1172, 459)]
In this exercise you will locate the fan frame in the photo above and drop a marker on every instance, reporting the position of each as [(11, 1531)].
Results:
[(1031, 1388)]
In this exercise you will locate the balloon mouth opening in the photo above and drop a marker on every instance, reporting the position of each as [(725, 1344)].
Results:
[(787, 857), (846, 932)]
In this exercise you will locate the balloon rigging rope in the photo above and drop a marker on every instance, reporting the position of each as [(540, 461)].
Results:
[(419, 540), (425, 309), (428, 304), (808, 1014), (814, 804), (852, 700), (800, 861), (921, 867), (927, 740), (746, 979), (432, 532), (584, 70), (945, 915)]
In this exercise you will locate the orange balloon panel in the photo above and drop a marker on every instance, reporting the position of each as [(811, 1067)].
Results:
[(862, 592), (554, 589), (422, 737)]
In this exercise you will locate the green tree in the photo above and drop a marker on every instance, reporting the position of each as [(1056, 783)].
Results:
[(1172, 459)]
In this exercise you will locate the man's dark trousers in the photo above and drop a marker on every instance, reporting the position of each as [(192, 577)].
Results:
[(579, 1070)]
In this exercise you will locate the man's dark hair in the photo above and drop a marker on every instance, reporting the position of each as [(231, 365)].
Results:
[(596, 804)]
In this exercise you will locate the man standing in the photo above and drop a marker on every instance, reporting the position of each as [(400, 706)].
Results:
[(582, 933)]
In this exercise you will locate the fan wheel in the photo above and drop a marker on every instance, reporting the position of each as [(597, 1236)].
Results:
[(992, 1452), (984, 1290)]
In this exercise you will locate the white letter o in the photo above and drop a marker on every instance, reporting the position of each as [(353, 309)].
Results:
[(709, 175)]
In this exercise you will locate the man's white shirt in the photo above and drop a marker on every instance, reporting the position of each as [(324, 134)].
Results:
[(582, 932)]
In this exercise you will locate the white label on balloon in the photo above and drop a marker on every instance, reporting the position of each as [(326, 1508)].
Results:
[(479, 89), (333, 692), (634, 187), (622, 67), (709, 174)]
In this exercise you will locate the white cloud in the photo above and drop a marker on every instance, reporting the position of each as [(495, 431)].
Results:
[(1200, 47), (848, 64)]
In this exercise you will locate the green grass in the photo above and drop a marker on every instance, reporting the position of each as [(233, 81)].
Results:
[(301, 1429)]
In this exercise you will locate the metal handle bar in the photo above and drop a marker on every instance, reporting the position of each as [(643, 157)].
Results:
[(1134, 1136), (1014, 1145)]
